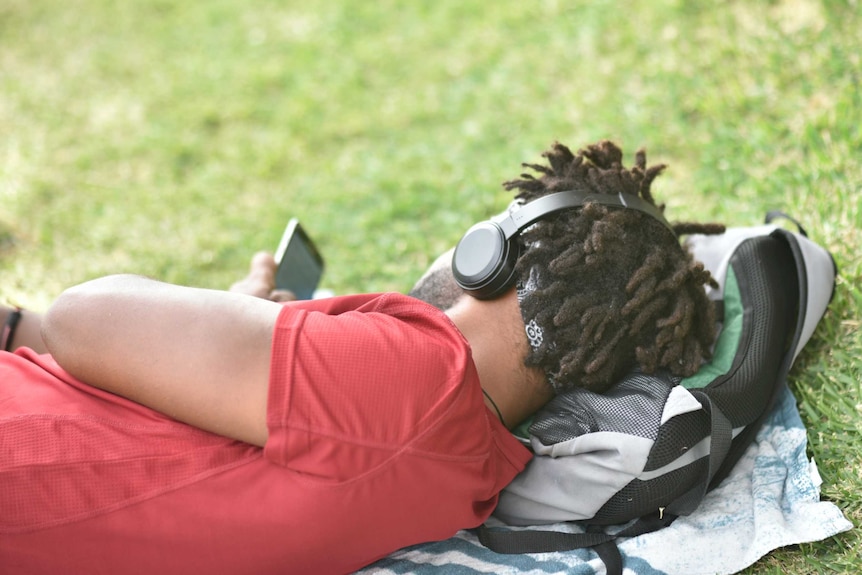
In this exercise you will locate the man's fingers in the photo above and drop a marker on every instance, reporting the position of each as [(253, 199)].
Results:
[(281, 295), (260, 280), (262, 263)]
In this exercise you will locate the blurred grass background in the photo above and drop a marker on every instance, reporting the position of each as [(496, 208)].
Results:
[(174, 139)]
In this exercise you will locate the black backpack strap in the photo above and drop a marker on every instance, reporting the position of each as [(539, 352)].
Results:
[(773, 215), (720, 439), (510, 542), (604, 544), (529, 541), (610, 555)]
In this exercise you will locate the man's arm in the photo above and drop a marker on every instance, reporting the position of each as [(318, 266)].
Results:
[(260, 282), (200, 356)]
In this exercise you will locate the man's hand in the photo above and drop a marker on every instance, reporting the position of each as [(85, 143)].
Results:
[(260, 281)]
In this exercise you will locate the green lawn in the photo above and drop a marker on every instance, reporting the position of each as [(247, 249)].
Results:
[(175, 138)]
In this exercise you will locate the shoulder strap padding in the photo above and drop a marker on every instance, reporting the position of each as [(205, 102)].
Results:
[(816, 270)]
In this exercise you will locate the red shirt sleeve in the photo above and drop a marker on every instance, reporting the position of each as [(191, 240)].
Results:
[(356, 379)]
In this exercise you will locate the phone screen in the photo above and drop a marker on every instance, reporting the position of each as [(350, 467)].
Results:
[(300, 265)]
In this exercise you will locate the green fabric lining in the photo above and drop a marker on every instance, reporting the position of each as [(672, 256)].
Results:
[(728, 341), (523, 429)]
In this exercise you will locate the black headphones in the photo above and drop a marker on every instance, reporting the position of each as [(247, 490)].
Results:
[(484, 259)]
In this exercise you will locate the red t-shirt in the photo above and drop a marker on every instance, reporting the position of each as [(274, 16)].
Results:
[(378, 439)]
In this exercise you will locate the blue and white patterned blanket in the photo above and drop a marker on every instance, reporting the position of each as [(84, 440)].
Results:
[(771, 499)]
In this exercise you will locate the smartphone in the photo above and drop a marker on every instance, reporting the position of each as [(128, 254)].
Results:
[(300, 265)]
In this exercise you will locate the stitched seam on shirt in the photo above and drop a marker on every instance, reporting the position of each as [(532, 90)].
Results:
[(134, 500), (111, 422), (463, 388), (351, 440), (405, 449), (387, 447)]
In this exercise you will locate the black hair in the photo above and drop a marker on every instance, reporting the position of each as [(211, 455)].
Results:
[(616, 288)]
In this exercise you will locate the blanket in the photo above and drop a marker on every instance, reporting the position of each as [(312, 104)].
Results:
[(770, 499)]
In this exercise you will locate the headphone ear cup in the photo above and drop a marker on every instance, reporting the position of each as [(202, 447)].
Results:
[(484, 261), (505, 277)]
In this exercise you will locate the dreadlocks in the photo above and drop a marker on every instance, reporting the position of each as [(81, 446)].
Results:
[(615, 288)]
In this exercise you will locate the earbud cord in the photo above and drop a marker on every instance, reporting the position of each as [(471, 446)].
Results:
[(497, 409)]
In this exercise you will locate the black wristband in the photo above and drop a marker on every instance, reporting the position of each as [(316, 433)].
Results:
[(9, 329)]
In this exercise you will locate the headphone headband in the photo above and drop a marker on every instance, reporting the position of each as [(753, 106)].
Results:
[(484, 260), (537, 209)]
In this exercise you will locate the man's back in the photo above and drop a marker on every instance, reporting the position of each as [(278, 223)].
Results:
[(375, 459)]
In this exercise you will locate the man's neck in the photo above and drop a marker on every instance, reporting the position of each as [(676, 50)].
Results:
[(496, 334)]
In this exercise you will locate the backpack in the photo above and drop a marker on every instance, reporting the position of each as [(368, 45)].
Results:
[(648, 450)]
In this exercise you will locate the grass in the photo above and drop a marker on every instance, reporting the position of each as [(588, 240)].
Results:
[(174, 139)]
